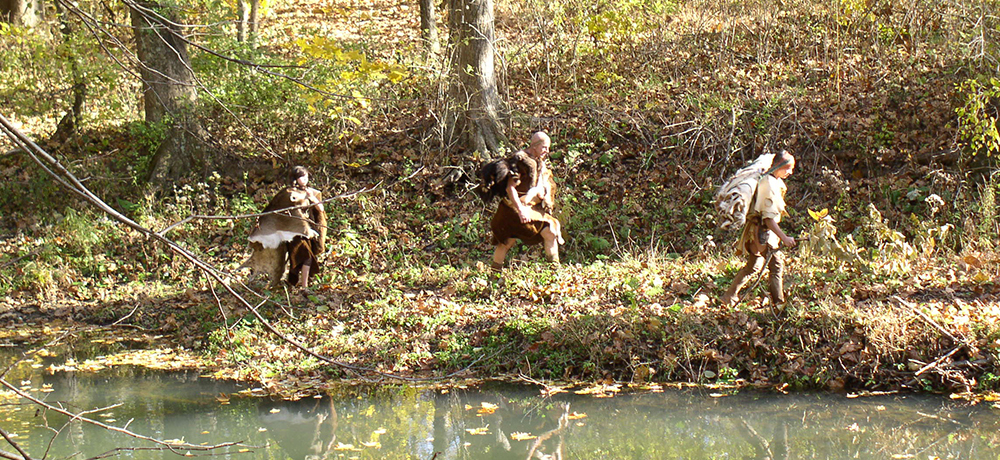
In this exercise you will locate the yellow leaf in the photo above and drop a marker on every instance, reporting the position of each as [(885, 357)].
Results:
[(342, 446), (817, 216), (396, 75), (518, 436), (973, 261), (354, 55), (478, 431)]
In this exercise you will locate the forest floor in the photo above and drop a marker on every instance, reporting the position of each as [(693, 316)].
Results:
[(891, 293)]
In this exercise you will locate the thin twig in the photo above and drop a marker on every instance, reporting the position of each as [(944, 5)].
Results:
[(13, 444)]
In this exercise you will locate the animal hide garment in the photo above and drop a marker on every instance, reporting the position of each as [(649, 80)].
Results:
[(735, 197)]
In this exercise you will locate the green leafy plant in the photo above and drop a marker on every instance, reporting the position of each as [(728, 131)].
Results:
[(977, 117)]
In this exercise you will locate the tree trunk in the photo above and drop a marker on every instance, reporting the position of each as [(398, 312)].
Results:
[(19, 12), (168, 94), (477, 117), (71, 120), (428, 26), (243, 16), (254, 20)]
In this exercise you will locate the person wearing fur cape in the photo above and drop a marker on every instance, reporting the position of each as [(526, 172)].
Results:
[(762, 237), (524, 184)]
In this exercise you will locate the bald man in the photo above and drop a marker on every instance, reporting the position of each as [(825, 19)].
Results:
[(516, 219)]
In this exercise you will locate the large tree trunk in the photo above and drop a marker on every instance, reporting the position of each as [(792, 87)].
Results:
[(243, 16), (428, 26), (477, 117), (19, 12), (168, 94)]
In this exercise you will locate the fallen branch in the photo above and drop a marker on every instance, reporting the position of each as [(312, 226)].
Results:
[(44, 160), (169, 446)]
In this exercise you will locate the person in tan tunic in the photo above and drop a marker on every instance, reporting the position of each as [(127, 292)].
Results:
[(298, 230), (520, 216), (762, 237)]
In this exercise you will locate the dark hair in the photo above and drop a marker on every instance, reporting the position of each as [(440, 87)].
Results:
[(296, 173), (781, 159)]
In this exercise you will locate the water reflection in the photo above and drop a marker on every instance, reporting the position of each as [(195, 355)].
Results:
[(490, 422)]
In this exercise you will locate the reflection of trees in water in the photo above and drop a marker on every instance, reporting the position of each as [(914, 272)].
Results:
[(419, 423), (305, 429), (796, 427)]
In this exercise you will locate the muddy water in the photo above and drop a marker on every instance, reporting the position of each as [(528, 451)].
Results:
[(486, 422)]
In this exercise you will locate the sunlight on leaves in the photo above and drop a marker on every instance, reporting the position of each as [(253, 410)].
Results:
[(818, 215)]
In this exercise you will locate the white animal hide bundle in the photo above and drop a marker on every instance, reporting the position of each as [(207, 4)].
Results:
[(735, 197)]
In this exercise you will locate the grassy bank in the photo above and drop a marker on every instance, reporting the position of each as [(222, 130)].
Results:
[(406, 290)]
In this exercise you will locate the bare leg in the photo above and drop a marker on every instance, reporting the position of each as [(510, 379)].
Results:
[(305, 275), (551, 244), (500, 253)]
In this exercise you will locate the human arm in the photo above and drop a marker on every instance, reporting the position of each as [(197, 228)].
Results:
[(542, 191), (773, 226), (522, 210), (318, 212)]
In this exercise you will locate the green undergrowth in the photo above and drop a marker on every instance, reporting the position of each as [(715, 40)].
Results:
[(405, 290)]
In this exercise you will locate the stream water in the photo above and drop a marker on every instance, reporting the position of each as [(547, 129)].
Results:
[(491, 421)]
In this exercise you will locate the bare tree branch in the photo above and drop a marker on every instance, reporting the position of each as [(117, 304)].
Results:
[(24, 455), (68, 180)]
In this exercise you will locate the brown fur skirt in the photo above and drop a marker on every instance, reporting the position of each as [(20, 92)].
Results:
[(506, 225), (302, 251)]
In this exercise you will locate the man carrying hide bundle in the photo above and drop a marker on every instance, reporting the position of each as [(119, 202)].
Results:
[(297, 230), (524, 183), (762, 238)]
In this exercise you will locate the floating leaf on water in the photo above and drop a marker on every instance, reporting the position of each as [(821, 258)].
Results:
[(478, 431), (342, 446), (487, 408), (261, 429), (275, 410), (518, 436), (576, 416), (206, 432)]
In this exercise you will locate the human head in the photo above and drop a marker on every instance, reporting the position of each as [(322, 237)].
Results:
[(539, 147), (299, 176), (787, 168)]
